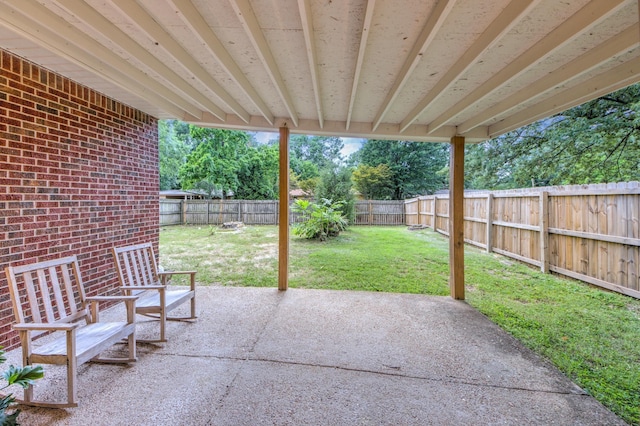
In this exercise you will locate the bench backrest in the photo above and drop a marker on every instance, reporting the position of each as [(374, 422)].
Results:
[(136, 265), (47, 292)]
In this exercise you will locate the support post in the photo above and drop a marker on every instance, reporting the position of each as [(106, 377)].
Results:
[(456, 219), (283, 212)]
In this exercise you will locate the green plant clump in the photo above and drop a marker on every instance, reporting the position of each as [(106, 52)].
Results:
[(320, 221), (15, 376)]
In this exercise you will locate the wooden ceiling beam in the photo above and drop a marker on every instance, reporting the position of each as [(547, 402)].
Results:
[(248, 19), (588, 16), (99, 23), (436, 19), (600, 85), (364, 36), (386, 131), (507, 19), (307, 28), (621, 43), (38, 24), (143, 20), (199, 26)]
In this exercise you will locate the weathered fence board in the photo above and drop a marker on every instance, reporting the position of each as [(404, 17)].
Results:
[(587, 232), (265, 212)]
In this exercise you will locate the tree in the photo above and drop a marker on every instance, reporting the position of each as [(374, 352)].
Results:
[(173, 149), (372, 182), (595, 142), (335, 185), (216, 158), (258, 174), (321, 151), (416, 167)]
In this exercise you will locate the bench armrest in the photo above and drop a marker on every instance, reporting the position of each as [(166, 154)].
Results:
[(51, 327)]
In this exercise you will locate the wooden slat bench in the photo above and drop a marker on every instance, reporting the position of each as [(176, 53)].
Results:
[(49, 297), (139, 276)]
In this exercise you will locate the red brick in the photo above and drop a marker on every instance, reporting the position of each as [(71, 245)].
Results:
[(75, 168)]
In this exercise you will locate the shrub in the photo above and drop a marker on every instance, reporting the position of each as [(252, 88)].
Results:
[(321, 220), (15, 376)]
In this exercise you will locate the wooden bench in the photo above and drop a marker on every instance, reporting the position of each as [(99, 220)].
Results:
[(49, 297), (139, 276)]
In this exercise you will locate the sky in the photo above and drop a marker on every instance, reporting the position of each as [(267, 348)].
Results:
[(351, 145)]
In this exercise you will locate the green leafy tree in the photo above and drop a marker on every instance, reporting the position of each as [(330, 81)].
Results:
[(173, 147), (416, 167), (596, 142), (335, 184), (320, 151), (373, 182), (217, 158), (258, 174)]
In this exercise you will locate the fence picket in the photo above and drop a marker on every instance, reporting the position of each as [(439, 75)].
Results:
[(592, 231)]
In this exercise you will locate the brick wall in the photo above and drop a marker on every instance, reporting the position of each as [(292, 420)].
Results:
[(78, 175)]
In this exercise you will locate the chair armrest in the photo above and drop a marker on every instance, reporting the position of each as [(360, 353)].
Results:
[(110, 298), (176, 272), (143, 287), (51, 327), (130, 302), (192, 281)]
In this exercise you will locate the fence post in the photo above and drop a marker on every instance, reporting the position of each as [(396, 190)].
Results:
[(434, 216), (544, 231), (489, 222), (183, 211), (370, 213)]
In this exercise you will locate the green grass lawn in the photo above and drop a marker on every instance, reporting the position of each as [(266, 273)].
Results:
[(591, 335)]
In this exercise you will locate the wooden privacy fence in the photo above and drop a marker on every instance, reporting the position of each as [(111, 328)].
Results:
[(252, 212), (587, 232)]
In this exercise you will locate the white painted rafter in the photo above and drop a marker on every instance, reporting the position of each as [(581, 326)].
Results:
[(248, 19), (199, 26), (585, 18), (141, 18), (618, 44), (600, 85), (366, 30), (96, 21), (310, 44), (35, 22), (436, 19), (498, 28)]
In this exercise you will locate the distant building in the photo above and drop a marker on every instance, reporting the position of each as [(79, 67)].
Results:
[(298, 194), (178, 194)]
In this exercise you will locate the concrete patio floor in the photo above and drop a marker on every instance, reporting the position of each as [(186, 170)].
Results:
[(257, 356)]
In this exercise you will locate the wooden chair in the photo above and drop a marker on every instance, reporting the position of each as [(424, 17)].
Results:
[(49, 297), (139, 276)]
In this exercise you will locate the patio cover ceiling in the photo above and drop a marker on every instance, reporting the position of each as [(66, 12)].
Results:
[(421, 70)]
